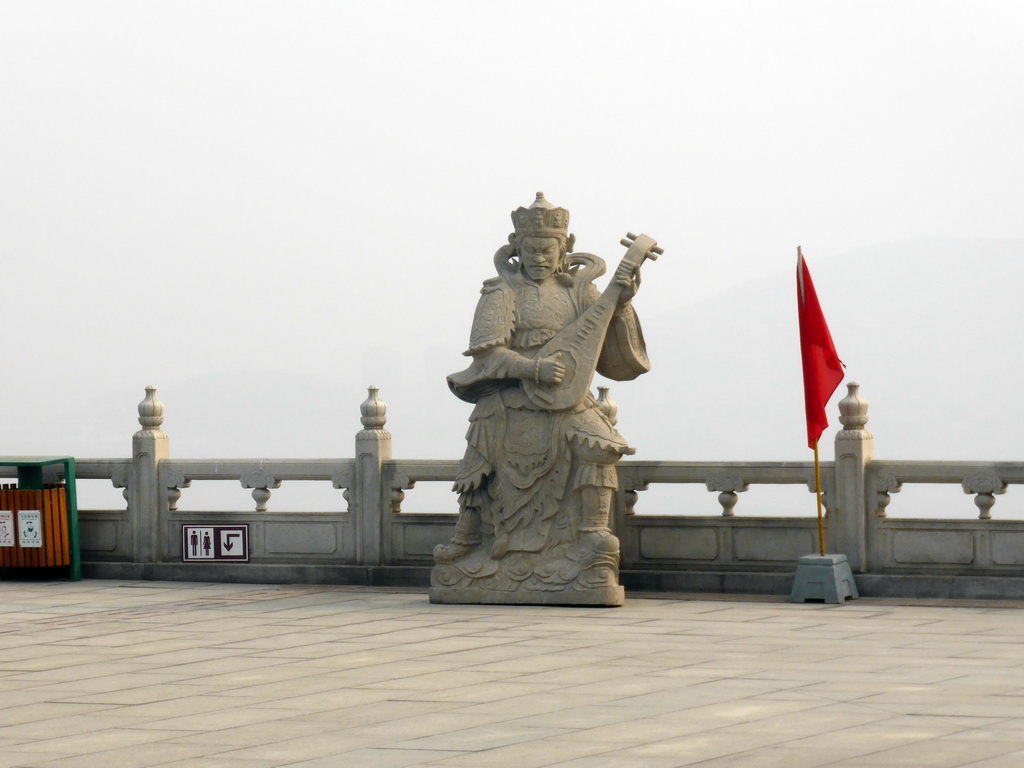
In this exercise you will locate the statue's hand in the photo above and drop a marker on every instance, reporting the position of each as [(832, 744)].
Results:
[(629, 278), (550, 372)]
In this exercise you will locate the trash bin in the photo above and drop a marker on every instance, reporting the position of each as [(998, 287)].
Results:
[(39, 523)]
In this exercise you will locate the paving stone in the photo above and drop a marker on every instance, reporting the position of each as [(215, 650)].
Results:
[(937, 753), (99, 740), (619, 761), (376, 758), (139, 674), (15, 758), (41, 711), (134, 756), (476, 739), (533, 754), (282, 728), (221, 762), (327, 744)]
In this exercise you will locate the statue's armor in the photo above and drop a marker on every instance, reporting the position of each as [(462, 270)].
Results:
[(541, 311), (523, 464)]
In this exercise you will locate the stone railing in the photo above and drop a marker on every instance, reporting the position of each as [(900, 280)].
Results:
[(936, 547), (368, 539)]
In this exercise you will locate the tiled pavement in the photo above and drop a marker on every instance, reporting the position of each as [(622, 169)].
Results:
[(128, 674)]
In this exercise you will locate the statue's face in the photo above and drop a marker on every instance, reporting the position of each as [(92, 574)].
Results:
[(540, 257)]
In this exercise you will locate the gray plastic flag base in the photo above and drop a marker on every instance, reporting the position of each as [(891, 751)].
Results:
[(823, 577)]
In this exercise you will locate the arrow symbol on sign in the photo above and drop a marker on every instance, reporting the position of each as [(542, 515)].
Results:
[(228, 543)]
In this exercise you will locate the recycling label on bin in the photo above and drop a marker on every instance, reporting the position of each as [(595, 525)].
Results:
[(214, 543), (6, 528), (30, 528)]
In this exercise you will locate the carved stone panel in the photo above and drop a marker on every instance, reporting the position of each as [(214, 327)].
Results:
[(98, 535), (933, 547), (419, 539), (1008, 548), (300, 538), (774, 545), (679, 544)]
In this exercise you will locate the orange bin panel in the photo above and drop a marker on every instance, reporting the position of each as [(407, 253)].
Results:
[(53, 518)]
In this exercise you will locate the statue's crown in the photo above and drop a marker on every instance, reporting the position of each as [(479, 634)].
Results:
[(541, 219)]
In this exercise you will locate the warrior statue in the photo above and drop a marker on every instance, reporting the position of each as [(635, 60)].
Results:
[(538, 479)]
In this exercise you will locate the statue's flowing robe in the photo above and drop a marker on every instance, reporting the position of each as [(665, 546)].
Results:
[(523, 465)]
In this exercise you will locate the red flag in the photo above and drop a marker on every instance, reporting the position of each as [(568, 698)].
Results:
[(823, 370)]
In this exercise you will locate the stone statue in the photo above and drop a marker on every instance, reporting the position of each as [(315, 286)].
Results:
[(538, 478)]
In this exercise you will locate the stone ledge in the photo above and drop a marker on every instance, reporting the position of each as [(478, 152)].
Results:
[(761, 583), (966, 587), (942, 587), (254, 573), (778, 583), (604, 596)]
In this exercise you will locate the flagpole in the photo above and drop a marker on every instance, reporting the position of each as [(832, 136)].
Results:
[(821, 577), (817, 492)]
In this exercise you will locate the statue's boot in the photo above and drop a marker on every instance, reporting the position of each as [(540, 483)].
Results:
[(499, 548), (600, 540), (466, 539), (595, 533), (454, 550)]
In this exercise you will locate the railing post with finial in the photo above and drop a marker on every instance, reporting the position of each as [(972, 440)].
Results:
[(849, 510), (146, 500), (373, 448)]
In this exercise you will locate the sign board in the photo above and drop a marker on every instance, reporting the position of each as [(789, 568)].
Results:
[(215, 543), (30, 528), (6, 528)]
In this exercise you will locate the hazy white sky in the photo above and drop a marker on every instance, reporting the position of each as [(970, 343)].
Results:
[(263, 207)]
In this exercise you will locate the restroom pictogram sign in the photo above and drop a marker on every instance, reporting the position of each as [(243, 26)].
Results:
[(214, 543)]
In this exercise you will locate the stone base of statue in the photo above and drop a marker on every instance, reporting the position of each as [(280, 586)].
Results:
[(584, 572), (606, 597)]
